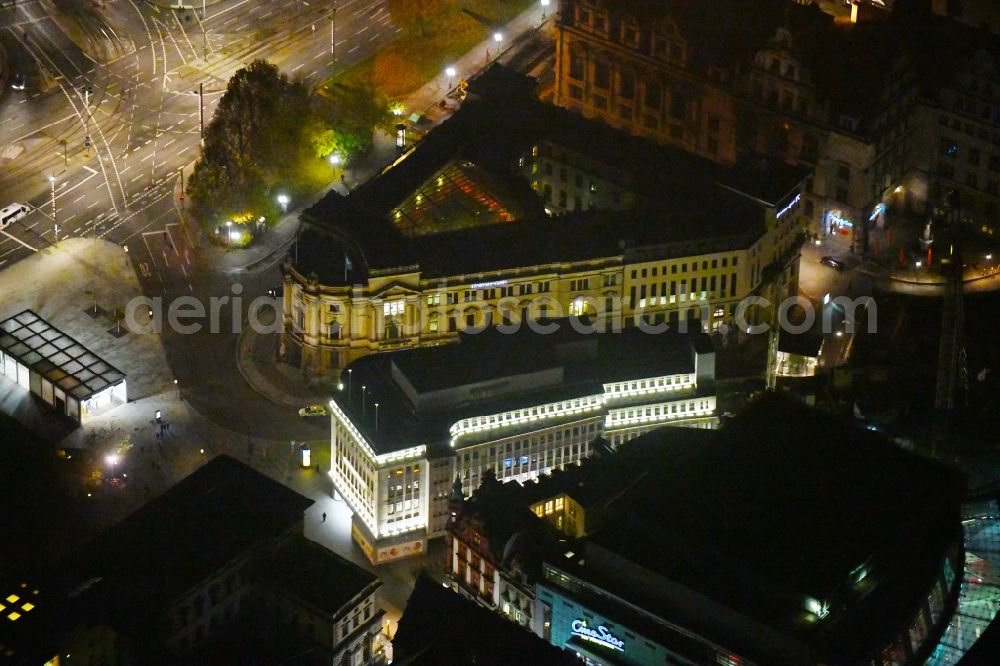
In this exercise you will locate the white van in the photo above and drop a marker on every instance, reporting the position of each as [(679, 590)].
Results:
[(12, 213)]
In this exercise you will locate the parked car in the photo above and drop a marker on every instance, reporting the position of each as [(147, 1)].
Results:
[(12, 213), (832, 262), (313, 410)]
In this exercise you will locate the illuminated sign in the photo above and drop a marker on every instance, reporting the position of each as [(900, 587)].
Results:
[(842, 221), (600, 635), (878, 209), (790, 206), (486, 285)]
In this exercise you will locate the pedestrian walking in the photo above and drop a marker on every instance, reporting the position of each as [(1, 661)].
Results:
[(324, 516)]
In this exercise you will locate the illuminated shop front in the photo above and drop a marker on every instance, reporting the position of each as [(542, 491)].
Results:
[(838, 223), (594, 638), (600, 632), (651, 583)]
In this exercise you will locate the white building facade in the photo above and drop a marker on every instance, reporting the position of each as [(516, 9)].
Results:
[(399, 496)]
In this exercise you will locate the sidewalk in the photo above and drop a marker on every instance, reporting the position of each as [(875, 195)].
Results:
[(282, 384), (427, 97), (255, 353)]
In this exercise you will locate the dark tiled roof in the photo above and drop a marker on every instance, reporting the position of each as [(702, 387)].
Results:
[(783, 503), (679, 198), (511, 529), (494, 356), (318, 576), (803, 344), (220, 512), (441, 627)]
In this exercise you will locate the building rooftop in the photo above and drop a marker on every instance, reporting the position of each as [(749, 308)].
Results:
[(314, 574), (850, 67), (459, 188), (511, 530), (801, 344), (781, 504), (422, 392), (219, 513), (56, 356), (439, 626)]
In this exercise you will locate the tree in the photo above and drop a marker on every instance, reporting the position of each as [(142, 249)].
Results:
[(328, 141), (361, 108), (252, 142)]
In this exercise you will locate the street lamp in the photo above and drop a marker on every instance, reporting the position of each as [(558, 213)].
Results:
[(112, 460), (498, 38), (450, 72), (229, 233), (335, 159), (376, 418), (55, 223), (545, 7), (283, 202)]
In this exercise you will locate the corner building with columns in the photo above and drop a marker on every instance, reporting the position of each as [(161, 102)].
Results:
[(517, 210)]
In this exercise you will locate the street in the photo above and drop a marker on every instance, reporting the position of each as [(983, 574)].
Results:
[(98, 138), (98, 144)]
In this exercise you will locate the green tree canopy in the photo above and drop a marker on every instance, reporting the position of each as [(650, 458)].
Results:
[(253, 140)]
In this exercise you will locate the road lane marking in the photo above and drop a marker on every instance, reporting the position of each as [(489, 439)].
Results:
[(219, 13), (15, 238)]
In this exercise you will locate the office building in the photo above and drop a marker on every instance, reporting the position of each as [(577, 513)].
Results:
[(520, 404)]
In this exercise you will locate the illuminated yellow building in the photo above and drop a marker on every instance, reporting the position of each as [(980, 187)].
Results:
[(514, 211), (564, 513)]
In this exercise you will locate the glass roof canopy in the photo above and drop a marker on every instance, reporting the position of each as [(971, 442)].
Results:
[(56, 356), (979, 600), (459, 196)]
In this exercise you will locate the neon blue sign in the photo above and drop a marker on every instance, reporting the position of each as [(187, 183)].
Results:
[(601, 635), (842, 221), (790, 206)]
